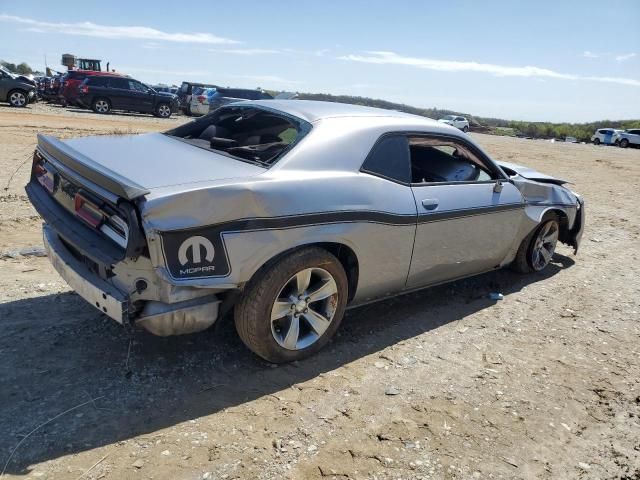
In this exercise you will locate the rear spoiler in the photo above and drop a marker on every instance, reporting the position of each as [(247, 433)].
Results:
[(93, 171)]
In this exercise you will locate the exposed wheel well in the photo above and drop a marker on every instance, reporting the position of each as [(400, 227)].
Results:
[(564, 225)]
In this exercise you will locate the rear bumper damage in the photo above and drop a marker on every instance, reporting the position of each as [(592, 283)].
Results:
[(158, 317)]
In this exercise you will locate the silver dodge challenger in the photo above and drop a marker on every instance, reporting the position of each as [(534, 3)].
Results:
[(286, 212)]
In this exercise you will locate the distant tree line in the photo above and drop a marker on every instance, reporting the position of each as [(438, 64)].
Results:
[(581, 131), (20, 69)]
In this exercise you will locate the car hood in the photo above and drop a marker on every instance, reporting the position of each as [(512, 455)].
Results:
[(167, 95), (155, 160), (530, 173)]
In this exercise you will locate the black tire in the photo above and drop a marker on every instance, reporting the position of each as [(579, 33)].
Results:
[(465, 129), (523, 262), (101, 105), (18, 98), (253, 312), (624, 143), (596, 141), (163, 110)]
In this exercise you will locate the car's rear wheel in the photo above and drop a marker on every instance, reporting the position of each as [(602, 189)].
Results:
[(624, 143), (163, 110), (18, 98), (596, 141), (101, 105), (292, 308), (537, 249)]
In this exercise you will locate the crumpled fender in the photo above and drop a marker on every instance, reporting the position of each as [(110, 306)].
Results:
[(530, 173)]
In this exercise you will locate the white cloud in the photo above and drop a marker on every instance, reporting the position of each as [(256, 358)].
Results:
[(90, 29), (588, 54), (270, 79), (247, 51), (625, 57), (391, 58)]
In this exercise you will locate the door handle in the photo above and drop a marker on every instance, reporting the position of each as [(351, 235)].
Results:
[(430, 203)]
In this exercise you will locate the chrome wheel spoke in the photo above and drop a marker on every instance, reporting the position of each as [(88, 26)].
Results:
[(546, 255), (291, 339), (318, 323), (303, 279), (325, 290), (280, 309)]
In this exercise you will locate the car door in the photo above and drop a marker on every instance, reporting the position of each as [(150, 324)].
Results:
[(141, 97), (5, 79), (118, 92), (608, 135), (468, 211)]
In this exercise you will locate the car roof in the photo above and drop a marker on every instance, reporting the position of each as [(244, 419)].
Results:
[(312, 110)]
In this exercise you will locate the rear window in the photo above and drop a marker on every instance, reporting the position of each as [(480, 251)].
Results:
[(255, 135)]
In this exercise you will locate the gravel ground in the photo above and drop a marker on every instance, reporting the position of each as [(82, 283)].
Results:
[(441, 384)]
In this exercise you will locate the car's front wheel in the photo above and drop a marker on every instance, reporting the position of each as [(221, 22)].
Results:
[(624, 143), (163, 110), (292, 308), (465, 129), (17, 98), (537, 249), (101, 105)]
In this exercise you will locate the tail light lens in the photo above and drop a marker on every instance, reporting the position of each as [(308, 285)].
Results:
[(201, 98), (88, 211), (84, 89)]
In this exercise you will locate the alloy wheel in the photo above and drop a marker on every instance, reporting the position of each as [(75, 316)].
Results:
[(304, 308), (18, 99), (164, 111), (544, 245), (102, 106)]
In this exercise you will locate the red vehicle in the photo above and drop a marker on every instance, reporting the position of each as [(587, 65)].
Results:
[(71, 81)]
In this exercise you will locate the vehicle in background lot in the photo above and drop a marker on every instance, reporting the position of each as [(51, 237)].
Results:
[(223, 96), (74, 63), (629, 138), (70, 82), (16, 89), (571, 140), (186, 91), (165, 89), (286, 211), (104, 93), (205, 100), (607, 136), (457, 121)]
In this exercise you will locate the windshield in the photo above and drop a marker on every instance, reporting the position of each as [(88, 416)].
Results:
[(255, 135), (449, 117)]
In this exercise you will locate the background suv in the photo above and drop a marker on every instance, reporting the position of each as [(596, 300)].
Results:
[(456, 121), (608, 136), (629, 138), (105, 93), (16, 90), (206, 100)]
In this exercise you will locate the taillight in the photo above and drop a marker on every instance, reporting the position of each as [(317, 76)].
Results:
[(201, 98), (84, 89), (88, 211)]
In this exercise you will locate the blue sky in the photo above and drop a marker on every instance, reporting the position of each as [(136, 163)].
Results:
[(547, 61)]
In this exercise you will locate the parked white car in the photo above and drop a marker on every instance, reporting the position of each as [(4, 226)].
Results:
[(456, 121), (629, 138), (607, 136), (200, 98)]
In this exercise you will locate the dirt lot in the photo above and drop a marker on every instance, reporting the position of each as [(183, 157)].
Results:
[(438, 384)]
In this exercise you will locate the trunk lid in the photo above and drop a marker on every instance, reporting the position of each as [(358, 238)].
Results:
[(136, 164)]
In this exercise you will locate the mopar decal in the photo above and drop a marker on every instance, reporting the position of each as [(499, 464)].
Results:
[(195, 253)]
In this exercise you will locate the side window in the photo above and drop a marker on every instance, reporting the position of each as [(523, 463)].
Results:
[(436, 160), (137, 86), (119, 83), (389, 158)]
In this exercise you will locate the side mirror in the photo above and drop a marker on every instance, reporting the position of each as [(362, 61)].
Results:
[(497, 187)]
